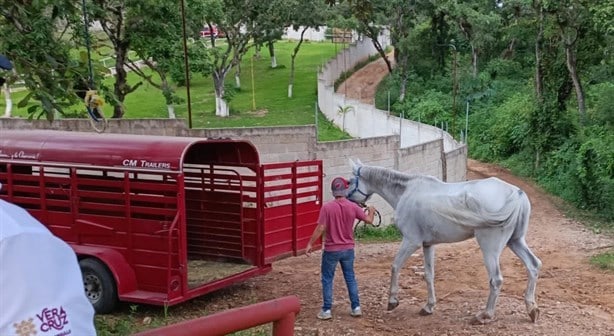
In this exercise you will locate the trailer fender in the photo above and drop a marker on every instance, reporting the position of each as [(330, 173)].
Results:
[(124, 276)]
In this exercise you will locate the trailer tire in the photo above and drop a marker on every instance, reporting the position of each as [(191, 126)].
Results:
[(99, 285)]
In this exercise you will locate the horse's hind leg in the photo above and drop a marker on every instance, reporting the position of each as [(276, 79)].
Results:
[(429, 276), (491, 243), (406, 250), (532, 264)]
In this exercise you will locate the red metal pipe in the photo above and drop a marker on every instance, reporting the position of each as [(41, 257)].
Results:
[(281, 312)]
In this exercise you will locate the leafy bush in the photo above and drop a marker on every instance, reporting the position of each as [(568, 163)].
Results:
[(389, 85), (601, 105), (498, 132), (433, 107), (582, 171)]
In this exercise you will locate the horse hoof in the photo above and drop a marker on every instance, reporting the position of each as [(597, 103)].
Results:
[(392, 305), (534, 314), (424, 312), (481, 319)]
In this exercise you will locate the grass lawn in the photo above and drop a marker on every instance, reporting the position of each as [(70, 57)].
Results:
[(269, 92)]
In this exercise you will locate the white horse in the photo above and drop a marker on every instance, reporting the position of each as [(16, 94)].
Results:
[(429, 211)]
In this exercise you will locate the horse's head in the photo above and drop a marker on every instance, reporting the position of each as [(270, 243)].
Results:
[(359, 190)]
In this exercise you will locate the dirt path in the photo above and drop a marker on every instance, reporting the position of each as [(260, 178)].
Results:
[(574, 297), (362, 84)]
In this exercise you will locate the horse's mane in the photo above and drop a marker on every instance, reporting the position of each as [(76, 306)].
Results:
[(395, 179)]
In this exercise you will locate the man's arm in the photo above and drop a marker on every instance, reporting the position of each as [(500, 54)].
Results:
[(317, 233)]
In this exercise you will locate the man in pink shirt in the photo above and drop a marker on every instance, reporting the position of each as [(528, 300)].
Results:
[(336, 221)]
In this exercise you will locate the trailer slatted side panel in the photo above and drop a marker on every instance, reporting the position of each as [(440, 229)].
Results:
[(129, 212), (292, 194)]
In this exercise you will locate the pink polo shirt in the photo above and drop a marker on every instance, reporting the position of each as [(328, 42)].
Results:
[(338, 217)]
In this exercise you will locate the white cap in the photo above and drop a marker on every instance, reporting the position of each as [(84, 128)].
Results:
[(41, 287)]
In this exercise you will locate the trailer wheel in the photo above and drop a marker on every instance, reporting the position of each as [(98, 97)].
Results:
[(99, 285)]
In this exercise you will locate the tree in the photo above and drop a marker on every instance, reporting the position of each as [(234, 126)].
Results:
[(478, 23), (369, 15), (232, 17), (154, 29), (268, 23), (572, 18), (35, 36), (342, 110), (305, 14)]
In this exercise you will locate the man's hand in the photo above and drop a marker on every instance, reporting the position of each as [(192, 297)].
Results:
[(370, 214), (317, 233), (308, 250)]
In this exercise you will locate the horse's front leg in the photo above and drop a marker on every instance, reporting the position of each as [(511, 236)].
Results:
[(429, 276), (406, 250)]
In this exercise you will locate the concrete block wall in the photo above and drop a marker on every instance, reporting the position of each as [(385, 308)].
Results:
[(380, 151), (456, 164), (169, 127), (424, 159)]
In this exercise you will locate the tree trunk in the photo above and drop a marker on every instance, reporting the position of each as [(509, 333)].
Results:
[(238, 76), (221, 107), (571, 62), (121, 82), (9, 102), (257, 52), (539, 71), (382, 53), (508, 53), (292, 59), (402, 65), (171, 111), (167, 90), (403, 89), (474, 60), (272, 53)]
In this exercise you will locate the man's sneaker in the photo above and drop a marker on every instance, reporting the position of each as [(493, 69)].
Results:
[(325, 315), (356, 312)]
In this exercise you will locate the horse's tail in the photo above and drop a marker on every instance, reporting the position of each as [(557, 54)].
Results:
[(520, 217)]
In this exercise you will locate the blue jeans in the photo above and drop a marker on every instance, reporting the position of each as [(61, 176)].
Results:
[(329, 264)]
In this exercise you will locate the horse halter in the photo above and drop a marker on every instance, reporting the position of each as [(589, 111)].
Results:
[(355, 189)]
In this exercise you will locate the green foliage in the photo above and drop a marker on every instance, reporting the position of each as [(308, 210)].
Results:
[(604, 260), (370, 234), (433, 107), (502, 130), (601, 104), (582, 171), (548, 127), (388, 88)]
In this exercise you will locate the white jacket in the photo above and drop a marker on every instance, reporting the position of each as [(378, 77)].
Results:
[(41, 287)]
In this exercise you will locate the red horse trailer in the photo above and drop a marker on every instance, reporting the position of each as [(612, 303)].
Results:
[(160, 220)]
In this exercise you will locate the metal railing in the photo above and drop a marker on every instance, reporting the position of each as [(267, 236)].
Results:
[(282, 312)]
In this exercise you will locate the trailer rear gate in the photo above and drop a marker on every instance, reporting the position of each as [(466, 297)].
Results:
[(174, 217)]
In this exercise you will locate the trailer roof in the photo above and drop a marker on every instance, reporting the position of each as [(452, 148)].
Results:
[(137, 151)]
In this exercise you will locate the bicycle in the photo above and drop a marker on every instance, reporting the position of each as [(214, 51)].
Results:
[(93, 105), (377, 219)]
